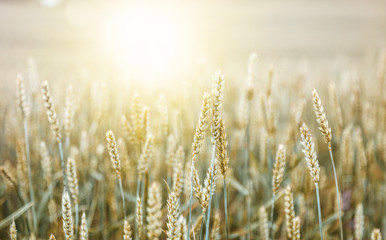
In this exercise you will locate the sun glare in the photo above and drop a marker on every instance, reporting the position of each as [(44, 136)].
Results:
[(145, 39)]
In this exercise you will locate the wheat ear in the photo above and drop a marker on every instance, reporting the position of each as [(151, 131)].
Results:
[(358, 222), (139, 219), (74, 188), (68, 227), (296, 228), (69, 114), (196, 147), (173, 216), (277, 178), (289, 212), (83, 228), (13, 231), (178, 172), (54, 125), (223, 161), (217, 94), (25, 112), (114, 156), (326, 131), (376, 234), (313, 166), (264, 228), (126, 231), (154, 212)]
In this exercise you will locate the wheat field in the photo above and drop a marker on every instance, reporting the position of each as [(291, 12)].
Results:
[(270, 147)]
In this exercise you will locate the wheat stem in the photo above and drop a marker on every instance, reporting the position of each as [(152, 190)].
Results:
[(63, 164), (226, 209), (272, 210), (190, 202), (211, 190), (123, 198), (337, 195), (31, 192), (319, 211)]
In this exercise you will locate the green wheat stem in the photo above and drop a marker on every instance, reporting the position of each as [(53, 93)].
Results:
[(123, 198), (202, 225), (31, 192), (63, 164), (319, 211), (272, 210), (76, 218), (211, 191), (190, 201), (337, 194), (226, 209)]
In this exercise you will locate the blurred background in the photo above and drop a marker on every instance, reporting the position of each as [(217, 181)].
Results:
[(125, 39)]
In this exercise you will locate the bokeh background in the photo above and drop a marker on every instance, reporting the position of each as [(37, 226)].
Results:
[(184, 35)]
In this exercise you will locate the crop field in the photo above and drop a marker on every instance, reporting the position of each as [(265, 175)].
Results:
[(219, 120)]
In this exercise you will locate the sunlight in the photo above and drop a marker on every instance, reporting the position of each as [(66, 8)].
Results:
[(141, 39)]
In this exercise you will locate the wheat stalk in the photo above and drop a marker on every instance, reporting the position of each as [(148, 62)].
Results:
[(114, 156), (54, 125), (25, 112), (326, 131), (217, 94), (313, 166), (196, 147), (223, 161)]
